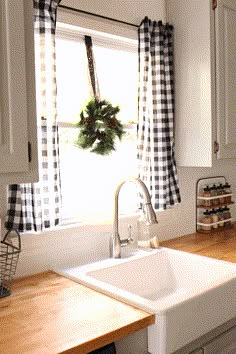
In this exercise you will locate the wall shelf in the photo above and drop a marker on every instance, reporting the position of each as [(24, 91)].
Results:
[(213, 231), (215, 223), (214, 206), (217, 197)]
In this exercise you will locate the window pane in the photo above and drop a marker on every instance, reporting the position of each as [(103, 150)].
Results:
[(89, 180), (117, 75), (72, 78)]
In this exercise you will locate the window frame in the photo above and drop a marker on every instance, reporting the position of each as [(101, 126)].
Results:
[(65, 31)]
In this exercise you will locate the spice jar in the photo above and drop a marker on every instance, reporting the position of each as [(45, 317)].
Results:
[(227, 216), (227, 189), (207, 194), (220, 217), (214, 193), (200, 202), (215, 218), (221, 193), (206, 220)]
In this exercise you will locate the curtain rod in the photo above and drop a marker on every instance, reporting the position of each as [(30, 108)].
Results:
[(100, 16)]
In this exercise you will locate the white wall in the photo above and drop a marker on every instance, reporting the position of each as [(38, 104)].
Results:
[(126, 10)]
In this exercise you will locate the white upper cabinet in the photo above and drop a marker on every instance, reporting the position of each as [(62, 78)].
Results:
[(225, 25), (205, 80), (18, 128)]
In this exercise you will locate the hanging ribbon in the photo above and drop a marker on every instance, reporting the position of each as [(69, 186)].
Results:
[(91, 65)]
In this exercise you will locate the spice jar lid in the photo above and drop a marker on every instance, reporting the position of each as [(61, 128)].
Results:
[(207, 189), (207, 212)]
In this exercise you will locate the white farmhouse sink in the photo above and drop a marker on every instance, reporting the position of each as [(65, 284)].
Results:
[(189, 294)]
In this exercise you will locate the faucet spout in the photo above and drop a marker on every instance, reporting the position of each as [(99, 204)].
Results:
[(149, 214)]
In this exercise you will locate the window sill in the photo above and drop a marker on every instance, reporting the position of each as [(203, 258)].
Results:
[(95, 221), (89, 226)]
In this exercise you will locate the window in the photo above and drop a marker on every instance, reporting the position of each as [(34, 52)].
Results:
[(89, 180)]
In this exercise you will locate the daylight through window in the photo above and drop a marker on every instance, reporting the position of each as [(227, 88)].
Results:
[(88, 180)]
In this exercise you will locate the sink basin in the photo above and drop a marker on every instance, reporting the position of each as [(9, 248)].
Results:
[(189, 294)]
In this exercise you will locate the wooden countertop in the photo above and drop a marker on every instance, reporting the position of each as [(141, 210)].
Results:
[(220, 245), (47, 313)]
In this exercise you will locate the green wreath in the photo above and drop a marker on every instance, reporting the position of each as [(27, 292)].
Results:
[(99, 127)]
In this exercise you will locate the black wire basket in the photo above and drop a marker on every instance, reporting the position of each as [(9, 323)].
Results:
[(10, 248)]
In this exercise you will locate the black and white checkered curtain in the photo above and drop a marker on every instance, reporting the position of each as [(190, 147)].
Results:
[(157, 167), (37, 206)]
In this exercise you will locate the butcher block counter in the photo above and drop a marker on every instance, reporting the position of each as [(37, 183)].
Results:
[(47, 313), (220, 245)]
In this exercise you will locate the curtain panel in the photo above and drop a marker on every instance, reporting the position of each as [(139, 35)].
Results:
[(37, 206), (156, 160)]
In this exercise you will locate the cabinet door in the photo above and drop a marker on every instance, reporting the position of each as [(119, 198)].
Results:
[(193, 81), (225, 27), (17, 92)]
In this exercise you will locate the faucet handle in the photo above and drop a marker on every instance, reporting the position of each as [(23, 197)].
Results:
[(128, 240)]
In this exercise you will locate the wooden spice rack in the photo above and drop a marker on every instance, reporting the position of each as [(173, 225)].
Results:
[(215, 226)]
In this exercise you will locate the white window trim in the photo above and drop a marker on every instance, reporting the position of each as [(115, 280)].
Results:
[(77, 33), (88, 22)]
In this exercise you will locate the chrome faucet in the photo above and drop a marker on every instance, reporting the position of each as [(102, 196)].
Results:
[(149, 214)]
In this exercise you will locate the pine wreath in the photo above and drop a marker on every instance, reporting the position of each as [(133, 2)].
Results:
[(99, 127)]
